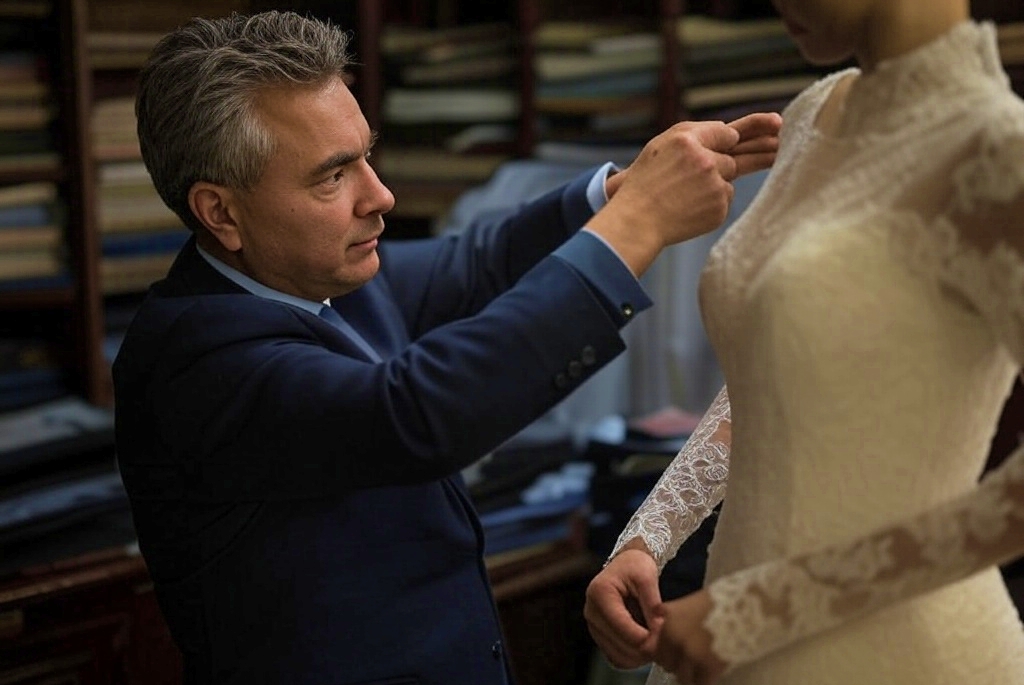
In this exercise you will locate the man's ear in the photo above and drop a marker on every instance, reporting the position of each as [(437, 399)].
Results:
[(213, 205)]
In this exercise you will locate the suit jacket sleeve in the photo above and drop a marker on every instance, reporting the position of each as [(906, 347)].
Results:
[(223, 398)]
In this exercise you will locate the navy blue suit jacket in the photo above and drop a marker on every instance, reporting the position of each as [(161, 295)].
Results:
[(299, 506)]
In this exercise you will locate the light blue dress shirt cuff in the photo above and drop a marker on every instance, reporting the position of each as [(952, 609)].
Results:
[(596, 195), (606, 274)]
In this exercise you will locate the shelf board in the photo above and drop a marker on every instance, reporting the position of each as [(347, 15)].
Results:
[(12, 175), (37, 298)]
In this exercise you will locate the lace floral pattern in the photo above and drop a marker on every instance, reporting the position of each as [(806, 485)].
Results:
[(689, 489), (764, 608), (995, 175)]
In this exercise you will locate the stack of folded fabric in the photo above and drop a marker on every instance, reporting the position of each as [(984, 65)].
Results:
[(61, 493), (545, 512)]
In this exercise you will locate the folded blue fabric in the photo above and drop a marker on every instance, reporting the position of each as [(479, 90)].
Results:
[(53, 430), (54, 506)]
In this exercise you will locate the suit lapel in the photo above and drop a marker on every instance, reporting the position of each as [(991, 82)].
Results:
[(372, 313), (369, 310)]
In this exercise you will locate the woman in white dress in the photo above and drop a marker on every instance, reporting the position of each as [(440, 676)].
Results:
[(868, 314)]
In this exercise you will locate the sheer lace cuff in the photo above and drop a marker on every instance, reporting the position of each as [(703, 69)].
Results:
[(689, 489)]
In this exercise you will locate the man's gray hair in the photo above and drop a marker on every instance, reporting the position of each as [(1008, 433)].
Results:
[(197, 118)]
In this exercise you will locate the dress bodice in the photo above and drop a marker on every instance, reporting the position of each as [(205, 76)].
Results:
[(861, 390)]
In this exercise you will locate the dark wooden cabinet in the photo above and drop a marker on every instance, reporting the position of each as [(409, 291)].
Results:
[(94, 620), (91, 620)]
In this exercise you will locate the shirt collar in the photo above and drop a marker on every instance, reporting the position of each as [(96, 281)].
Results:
[(259, 289)]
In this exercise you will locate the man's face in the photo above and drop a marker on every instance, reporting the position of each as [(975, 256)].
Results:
[(310, 226)]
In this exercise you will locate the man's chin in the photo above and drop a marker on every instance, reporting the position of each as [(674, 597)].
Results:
[(358, 275)]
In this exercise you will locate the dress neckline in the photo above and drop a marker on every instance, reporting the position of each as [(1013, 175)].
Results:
[(921, 85)]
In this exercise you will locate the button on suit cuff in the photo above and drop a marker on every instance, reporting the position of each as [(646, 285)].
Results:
[(577, 370), (606, 274)]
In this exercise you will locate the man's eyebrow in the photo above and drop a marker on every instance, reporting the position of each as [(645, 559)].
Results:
[(342, 158)]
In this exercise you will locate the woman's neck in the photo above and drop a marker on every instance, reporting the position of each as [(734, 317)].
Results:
[(897, 28)]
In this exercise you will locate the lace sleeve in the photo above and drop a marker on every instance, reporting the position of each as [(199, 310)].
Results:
[(689, 489), (977, 255)]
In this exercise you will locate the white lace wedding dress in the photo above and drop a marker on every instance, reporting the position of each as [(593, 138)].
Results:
[(868, 315)]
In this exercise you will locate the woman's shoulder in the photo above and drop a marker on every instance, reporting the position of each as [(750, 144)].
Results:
[(1002, 119), (807, 103), (994, 170)]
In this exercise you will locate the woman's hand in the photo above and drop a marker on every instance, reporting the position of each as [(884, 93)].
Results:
[(620, 606), (684, 645)]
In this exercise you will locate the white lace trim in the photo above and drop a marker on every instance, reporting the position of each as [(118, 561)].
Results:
[(687, 492)]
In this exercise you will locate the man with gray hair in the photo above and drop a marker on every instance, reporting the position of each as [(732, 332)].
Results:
[(296, 399)]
